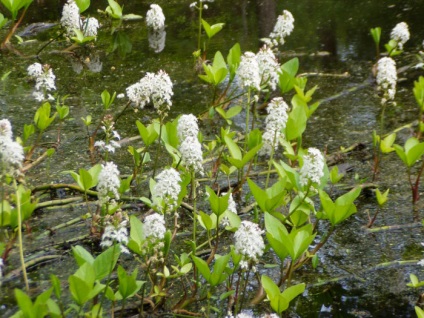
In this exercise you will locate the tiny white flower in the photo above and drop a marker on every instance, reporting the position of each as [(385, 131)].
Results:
[(275, 123), (283, 27), (154, 227), (70, 17), (120, 96), (249, 241), (90, 27), (118, 234), (421, 262), (166, 190), (400, 34), (155, 18), (109, 182), (387, 78), (249, 72), (192, 155), (11, 152), (269, 68), (187, 127), (313, 167)]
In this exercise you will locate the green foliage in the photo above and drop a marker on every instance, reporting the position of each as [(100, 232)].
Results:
[(288, 75), (114, 10), (415, 283), (270, 199), (280, 301), (83, 285), (211, 30), (128, 284), (233, 60), (227, 115), (3, 22), (137, 237), (42, 117), (217, 72), (411, 152), (107, 100), (87, 179), (42, 307), (376, 35), (218, 275), (335, 176), (83, 5), (14, 6), (219, 204), (80, 38), (419, 312), (148, 134), (382, 197), (419, 92), (338, 211), (9, 213)]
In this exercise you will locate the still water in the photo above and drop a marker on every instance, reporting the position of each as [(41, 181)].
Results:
[(331, 40)]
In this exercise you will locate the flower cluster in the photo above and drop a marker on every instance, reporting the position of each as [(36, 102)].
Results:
[(71, 20), (187, 127), (275, 123), (249, 243), (400, 34), (109, 144), (154, 228), (192, 155), (249, 72), (90, 27), (313, 167), (269, 68), (11, 153), (152, 87), (70, 17), (116, 234), (155, 18), (283, 28), (190, 147), (44, 81), (386, 78), (109, 182), (166, 190)]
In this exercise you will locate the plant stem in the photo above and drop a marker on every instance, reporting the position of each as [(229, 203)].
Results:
[(21, 247)]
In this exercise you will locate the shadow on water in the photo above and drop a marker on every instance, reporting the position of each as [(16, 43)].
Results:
[(330, 37)]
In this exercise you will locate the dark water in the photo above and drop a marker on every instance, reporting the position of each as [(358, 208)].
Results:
[(330, 37)]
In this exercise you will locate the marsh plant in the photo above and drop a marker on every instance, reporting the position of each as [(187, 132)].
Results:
[(252, 205)]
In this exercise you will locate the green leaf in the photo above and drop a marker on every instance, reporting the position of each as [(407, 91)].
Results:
[(234, 149), (105, 263), (202, 266), (82, 5), (293, 291), (288, 74), (82, 256), (114, 10), (387, 143), (218, 275), (233, 60), (137, 237), (296, 123), (271, 288), (419, 312), (86, 181), (376, 35), (206, 220), (381, 198), (24, 302), (212, 30)]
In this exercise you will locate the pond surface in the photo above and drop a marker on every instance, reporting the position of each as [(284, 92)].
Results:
[(332, 41)]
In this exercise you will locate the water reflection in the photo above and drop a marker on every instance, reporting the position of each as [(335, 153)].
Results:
[(157, 39)]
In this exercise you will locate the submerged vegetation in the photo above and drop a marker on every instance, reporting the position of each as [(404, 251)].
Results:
[(205, 222)]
